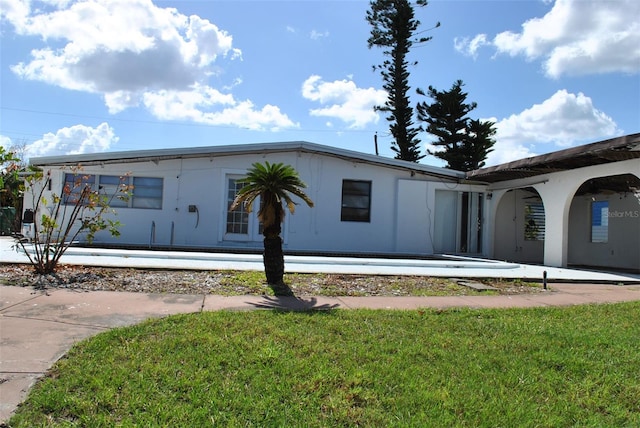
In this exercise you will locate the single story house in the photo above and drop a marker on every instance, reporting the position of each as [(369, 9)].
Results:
[(577, 206)]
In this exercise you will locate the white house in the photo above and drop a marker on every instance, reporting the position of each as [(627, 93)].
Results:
[(376, 205)]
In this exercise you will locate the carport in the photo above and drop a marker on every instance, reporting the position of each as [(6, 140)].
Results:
[(583, 186)]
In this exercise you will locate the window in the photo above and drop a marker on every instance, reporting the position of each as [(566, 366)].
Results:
[(599, 221), (74, 184), (356, 201), (238, 219), (147, 193), (534, 221), (112, 187)]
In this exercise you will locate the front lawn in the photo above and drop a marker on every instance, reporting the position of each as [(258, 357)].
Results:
[(542, 367)]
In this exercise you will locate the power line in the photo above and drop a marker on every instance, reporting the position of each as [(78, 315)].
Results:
[(112, 119), (170, 123)]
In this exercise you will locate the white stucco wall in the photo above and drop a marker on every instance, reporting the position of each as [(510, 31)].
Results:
[(414, 219), (557, 191), (401, 215), (622, 249), (411, 213), (510, 243)]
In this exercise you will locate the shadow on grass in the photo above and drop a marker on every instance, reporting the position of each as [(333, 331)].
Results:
[(292, 303)]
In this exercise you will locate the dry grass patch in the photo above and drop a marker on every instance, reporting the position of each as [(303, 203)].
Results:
[(248, 282)]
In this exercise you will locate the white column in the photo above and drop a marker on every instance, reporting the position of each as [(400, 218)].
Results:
[(557, 202)]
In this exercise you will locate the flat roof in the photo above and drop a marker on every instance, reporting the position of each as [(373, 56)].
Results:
[(601, 152), (104, 158)]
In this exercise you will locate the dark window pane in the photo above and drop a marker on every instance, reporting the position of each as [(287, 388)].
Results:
[(74, 184), (356, 201)]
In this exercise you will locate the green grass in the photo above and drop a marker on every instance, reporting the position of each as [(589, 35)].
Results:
[(542, 367)]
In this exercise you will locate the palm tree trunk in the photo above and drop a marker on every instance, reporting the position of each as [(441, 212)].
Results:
[(273, 259)]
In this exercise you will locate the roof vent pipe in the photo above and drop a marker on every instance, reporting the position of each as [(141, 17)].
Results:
[(375, 142)]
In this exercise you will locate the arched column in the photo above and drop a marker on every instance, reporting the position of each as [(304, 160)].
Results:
[(557, 192), (556, 198)]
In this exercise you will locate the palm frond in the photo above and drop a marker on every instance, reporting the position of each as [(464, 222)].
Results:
[(276, 180)]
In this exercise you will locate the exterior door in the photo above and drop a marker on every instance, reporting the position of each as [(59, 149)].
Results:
[(458, 222), (446, 214), (240, 225), (470, 237)]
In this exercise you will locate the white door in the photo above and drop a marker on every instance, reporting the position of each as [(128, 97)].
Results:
[(240, 225), (445, 222)]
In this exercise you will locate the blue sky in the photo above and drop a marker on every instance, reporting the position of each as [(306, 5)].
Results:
[(113, 75)]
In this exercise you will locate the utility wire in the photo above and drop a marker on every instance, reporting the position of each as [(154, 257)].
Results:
[(169, 122)]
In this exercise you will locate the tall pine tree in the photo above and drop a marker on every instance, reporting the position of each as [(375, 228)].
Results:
[(479, 143), (464, 143), (394, 28)]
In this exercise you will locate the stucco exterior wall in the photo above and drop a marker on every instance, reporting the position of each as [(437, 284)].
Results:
[(510, 243), (564, 221), (414, 211), (401, 221), (622, 249)]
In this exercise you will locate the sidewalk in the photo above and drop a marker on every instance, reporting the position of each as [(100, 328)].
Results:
[(37, 328)]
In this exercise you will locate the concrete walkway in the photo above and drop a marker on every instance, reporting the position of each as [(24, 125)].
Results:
[(37, 328)]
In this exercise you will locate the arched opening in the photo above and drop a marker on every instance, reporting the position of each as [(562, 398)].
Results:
[(519, 230), (604, 223)]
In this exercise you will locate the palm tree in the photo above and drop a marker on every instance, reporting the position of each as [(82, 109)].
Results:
[(273, 183)]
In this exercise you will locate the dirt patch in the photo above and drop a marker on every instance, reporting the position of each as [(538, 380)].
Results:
[(248, 283)]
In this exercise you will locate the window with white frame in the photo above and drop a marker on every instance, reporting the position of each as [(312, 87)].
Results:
[(147, 193), (238, 219), (356, 201)]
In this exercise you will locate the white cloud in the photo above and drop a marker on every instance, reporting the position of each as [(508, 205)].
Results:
[(130, 51), (470, 47), (317, 35), (122, 45), (343, 100), (5, 141), (72, 140), (203, 104), (575, 37), (563, 120), (14, 11)]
